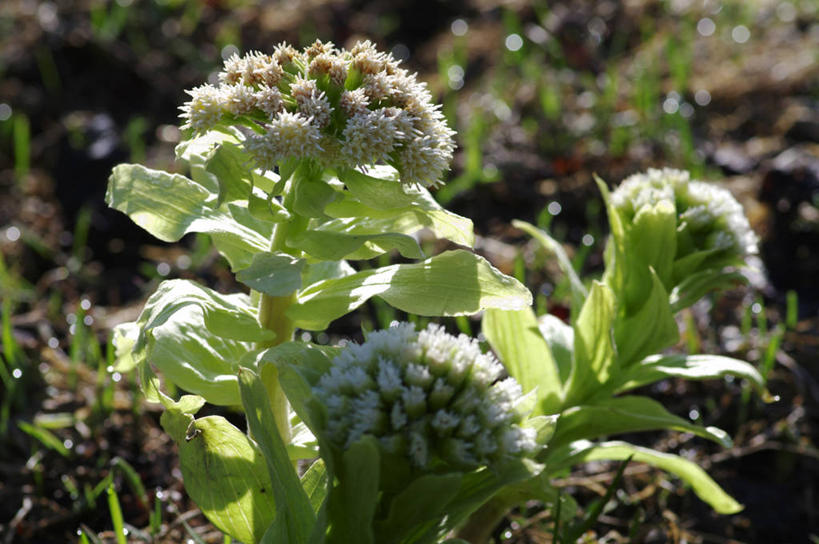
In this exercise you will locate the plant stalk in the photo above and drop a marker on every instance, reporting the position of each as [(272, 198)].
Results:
[(273, 316)]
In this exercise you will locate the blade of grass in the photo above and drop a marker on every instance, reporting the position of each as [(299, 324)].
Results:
[(90, 535), (45, 437), (155, 520), (133, 479), (22, 146), (116, 515), (792, 310)]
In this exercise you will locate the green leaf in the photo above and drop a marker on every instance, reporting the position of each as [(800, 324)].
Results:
[(234, 173), (424, 499), (476, 488), (594, 357), (314, 482), (330, 245), (691, 263), (560, 338), (689, 367), (196, 338), (452, 283), (224, 471), (274, 274), (310, 192), (426, 213), (170, 205), (196, 149), (694, 287), (228, 316), (294, 512), (702, 484), (124, 337), (380, 188), (627, 414), (516, 339), (353, 501), (650, 330), (579, 292), (265, 208), (326, 270)]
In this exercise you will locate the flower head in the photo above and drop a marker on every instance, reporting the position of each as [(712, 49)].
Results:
[(710, 216), (361, 102), (428, 396)]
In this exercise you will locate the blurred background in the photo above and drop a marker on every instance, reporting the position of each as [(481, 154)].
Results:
[(543, 95)]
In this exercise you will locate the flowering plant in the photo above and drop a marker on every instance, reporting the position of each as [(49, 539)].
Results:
[(301, 163), (672, 240)]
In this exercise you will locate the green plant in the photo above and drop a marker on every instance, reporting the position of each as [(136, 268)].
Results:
[(672, 241), (300, 163)]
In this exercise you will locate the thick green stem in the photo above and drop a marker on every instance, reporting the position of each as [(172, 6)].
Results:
[(273, 316)]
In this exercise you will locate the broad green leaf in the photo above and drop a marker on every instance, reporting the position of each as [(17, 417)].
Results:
[(424, 499), (380, 188), (354, 499), (326, 270), (274, 274), (192, 358), (196, 338), (224, 472), (594, 356), (627, 414), (234, 173), (689, 367), (702, 484), (560, 338), (579, 292), (124, 338), (294, 512), (516, 339), (196, 149), (650, 330), (330, 245), (452, 283), (227, 316), (426, 214), (170, 205)]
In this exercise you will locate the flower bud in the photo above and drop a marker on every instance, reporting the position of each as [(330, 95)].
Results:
[(413, 405), (686, 231)]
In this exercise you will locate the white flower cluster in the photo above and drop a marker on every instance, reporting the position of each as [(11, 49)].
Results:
[(708, 213), (351, 108), (429, 396)]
